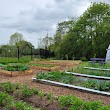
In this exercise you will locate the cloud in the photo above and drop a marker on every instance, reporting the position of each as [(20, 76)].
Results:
[(34, 18)]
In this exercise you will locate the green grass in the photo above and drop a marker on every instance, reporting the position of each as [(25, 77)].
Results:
[(6, 60)]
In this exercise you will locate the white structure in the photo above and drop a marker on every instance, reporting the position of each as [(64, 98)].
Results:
[(108, 55)]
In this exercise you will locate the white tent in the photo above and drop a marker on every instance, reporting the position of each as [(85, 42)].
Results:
[(108, 55)]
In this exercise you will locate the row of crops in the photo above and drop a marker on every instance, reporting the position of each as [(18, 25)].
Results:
[(12, 94), (63, 77), (23, 66), (38, 99)]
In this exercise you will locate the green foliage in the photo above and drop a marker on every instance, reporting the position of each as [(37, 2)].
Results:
[(23, 106), (41, 94), (90, 83), (16, 38), (56, 76), (7, 60), (92, 105), (28, 92), (2, 65), (9, 87), (70, 79), (103, 86), (19, 105), (5, 99), (80, 69), (50, 97), (84, 59), (19, 67), (85, 36), (66, 101), (42, 65), (74, 103)]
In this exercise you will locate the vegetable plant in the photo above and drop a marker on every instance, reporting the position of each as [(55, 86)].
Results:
[(19, 67)]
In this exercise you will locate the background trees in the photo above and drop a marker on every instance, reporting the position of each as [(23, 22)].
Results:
[(16, 43), (15, 38), (84, 37), (87, 36)]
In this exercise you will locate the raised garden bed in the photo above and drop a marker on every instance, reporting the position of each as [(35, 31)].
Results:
[(69, 80), (92, 71), (16, 73), (101, 69), (44, 67), (15, 70), (70, 86), (89, 76)]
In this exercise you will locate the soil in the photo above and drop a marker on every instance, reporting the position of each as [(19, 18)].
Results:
[(55, 90)]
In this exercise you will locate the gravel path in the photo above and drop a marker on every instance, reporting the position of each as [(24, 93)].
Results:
[(55, 90)]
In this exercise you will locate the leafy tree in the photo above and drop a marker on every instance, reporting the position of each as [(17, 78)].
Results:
[(16, 38), (88, 36)]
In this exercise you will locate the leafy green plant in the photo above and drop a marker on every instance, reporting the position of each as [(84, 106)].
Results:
[(92, 105), (74, 103), (19, 105), (50, 97), (56, 76), (19, 67), (28, 92), (103, 85), (42, 65), (66, 101), (9, 87), (23, 106), (41, 94), (5, 99), (90, 83)]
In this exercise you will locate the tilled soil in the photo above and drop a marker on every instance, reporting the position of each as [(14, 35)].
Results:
[(55, 90)]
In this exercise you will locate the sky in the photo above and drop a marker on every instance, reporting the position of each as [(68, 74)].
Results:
[(34, 18)]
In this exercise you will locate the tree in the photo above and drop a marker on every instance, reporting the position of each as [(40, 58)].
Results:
[(15, 38), (62, 29), (88, 36)]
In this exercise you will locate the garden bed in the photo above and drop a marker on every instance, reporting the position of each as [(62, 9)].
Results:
[(61, 65), (16, 73), (84, 69), (101, 69), (45, 68), (86, 84), (20, 97), (55, 90), (89, 76), (70, 86)]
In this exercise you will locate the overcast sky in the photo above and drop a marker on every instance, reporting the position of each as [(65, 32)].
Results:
[(33, 18)]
